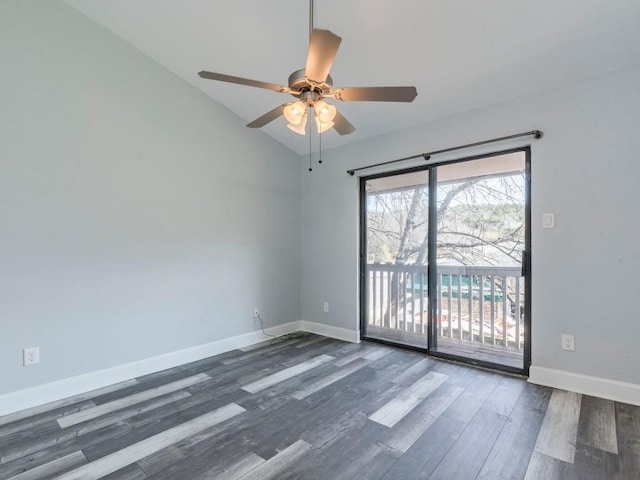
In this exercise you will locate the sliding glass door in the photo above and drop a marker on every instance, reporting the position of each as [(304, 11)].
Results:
[(444, 259), (481, 237), (396, 244)]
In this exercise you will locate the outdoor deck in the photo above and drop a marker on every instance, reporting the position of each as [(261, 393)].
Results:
[(479, 312), (486, 352)]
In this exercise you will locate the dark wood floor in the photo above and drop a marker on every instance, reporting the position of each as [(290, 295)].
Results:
[(315, 408)]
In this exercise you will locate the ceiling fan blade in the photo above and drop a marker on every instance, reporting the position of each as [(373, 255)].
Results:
[(267, 117), (323, 47), (375, 94), (342, 125), (242, 81)]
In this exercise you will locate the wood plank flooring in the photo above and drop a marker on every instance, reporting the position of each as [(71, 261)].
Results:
[(316, 408)]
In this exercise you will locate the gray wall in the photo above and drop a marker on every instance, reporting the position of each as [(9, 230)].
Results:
[(138, 217), (586, 169)]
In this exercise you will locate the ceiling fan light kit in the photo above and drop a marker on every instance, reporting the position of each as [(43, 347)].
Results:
[(300, 126), (323, 127), (295, 112), (325, 111), (313, 84)]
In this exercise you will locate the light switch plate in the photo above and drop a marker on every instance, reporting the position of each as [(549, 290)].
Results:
[(548, 220)]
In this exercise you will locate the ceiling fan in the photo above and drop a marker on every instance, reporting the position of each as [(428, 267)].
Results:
[(313, 84)]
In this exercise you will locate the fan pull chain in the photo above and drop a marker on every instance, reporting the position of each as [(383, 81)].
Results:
[(320, 152), (310, 168)]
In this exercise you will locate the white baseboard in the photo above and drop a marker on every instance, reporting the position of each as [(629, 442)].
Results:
[(338, 333), (586, 384), (24, 401), (50, 392)]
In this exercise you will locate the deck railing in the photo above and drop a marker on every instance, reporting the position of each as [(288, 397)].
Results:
[(474, 303)]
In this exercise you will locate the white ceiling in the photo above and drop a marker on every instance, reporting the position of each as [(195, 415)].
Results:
[(460, 54)]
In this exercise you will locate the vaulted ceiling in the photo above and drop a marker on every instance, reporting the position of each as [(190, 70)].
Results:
[(459, 54)]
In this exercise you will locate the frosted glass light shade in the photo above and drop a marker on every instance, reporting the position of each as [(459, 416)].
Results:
[(325, 112), (295, 112), (300, 127), (323, 127)]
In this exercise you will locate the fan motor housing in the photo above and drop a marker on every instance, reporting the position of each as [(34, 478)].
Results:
[(299, 82)]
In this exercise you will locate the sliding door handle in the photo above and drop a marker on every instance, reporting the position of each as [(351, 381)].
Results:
[(525, 263)]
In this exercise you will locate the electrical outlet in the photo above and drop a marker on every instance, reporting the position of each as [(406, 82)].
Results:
[(325, 307), (256, 312), (568, 342), (31, 356)]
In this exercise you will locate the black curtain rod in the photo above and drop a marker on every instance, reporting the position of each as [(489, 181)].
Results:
[(427, 156)]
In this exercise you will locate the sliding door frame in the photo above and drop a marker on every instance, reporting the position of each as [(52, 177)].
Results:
[(432, 261)]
